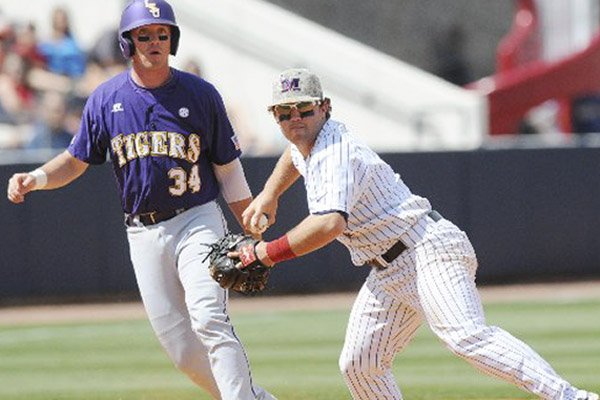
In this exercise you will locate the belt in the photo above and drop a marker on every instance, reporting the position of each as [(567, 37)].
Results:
[(151, 218), (397, 248)]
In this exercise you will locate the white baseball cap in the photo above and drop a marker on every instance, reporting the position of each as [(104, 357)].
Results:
[(295, 85)]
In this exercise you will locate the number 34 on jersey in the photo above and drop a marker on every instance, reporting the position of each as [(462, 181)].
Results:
[(163, 144)]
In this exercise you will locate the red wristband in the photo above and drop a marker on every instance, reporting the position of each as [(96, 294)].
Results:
[(279, 250)]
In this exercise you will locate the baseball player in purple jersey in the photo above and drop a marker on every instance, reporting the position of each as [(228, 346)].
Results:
[(422, 265), (173, 151)]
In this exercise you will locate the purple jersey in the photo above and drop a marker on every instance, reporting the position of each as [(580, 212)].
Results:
[(162, 142)]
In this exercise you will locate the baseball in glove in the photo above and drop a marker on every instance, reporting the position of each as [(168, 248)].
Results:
[(244, 274)]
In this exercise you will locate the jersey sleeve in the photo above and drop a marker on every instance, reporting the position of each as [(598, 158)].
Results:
[(225, 145), (90, 145), (338, 178)]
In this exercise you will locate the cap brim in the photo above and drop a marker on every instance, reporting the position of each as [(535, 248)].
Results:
[(290, 100)]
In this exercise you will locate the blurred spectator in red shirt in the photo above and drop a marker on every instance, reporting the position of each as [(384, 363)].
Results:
[(26, 45), (5, 27), (16, 96)]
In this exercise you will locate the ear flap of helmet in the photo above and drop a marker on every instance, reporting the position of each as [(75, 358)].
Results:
[(175, 34), (126, 45)]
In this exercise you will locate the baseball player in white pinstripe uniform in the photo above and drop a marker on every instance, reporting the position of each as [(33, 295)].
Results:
[(423, 266)]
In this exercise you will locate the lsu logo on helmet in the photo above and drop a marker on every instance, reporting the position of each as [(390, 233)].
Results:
[(155, 11)]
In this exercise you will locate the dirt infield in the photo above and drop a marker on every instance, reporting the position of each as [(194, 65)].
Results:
[(238, 304)]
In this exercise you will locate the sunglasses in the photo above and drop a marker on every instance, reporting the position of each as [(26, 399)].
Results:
[(146, 38), (305, 109)]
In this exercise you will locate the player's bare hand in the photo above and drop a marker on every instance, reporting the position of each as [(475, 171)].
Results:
[(261, 206), (18, 186)]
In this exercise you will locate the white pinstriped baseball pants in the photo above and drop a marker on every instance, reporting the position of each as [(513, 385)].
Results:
[(186, 307), (434, 281)]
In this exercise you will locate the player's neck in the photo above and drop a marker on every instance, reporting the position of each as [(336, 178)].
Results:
[(306, 144), (150, 78)]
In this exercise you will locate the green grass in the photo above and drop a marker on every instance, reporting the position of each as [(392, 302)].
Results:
[(293, 354)]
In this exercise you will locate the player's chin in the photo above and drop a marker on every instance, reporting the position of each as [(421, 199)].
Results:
[(295, 129), (297, 133)]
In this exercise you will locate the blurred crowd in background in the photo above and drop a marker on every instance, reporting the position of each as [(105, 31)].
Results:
[(44, 82), (46, 79)]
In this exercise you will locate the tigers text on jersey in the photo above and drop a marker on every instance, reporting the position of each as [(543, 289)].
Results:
[(162, 141), (342, 174)]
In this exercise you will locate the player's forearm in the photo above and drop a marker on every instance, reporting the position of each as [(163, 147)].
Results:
[(234, 187), (284, 175), (62, 170), (237, 208), (314, 232), (232, 181)]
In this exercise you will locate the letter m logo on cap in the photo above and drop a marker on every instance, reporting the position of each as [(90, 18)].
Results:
[(155, 11), (290, 84)]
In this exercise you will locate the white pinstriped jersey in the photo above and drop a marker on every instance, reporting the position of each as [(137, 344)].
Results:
[(433, 280), (343, 174)]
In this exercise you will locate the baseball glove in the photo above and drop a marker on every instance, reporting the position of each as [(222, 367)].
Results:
[(244, 274)]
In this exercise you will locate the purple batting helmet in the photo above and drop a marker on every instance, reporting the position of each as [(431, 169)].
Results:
[(146, 12)]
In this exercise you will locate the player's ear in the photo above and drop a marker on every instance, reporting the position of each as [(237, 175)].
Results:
[(326, 106)]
